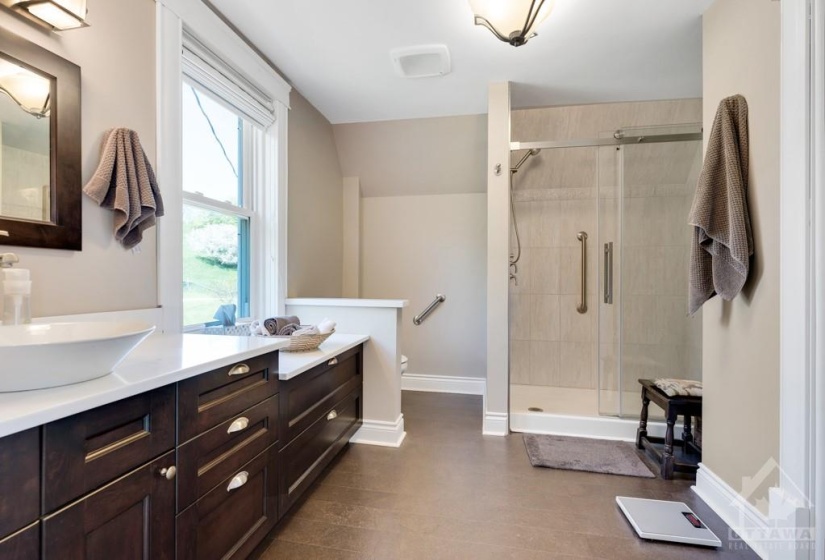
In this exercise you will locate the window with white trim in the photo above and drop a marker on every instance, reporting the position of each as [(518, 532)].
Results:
[(224, 142)]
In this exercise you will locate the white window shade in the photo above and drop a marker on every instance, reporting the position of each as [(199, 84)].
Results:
[(227, 86)]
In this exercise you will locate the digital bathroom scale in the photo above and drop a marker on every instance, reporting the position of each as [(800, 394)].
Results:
[(657, 520)]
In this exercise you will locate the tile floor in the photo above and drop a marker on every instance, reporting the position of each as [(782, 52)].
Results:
[(451, 493)]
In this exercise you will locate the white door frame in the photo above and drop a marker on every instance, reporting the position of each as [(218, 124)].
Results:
[(802, 264)]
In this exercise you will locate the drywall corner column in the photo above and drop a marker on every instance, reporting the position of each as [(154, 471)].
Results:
[(498, 235), (351, 287), (741, 338)]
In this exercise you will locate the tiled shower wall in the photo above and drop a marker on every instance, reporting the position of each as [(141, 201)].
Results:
[(556, 196)]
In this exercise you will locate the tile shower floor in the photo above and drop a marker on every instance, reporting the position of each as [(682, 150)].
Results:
[(451, 493)]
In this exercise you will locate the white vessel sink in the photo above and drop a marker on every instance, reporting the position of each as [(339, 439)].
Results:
[(54, 354)]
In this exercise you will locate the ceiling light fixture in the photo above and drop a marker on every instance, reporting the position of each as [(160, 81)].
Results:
[(511, 21), (30, 92), (59, 15)]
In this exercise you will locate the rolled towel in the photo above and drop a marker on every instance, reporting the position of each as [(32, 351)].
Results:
[(326, 326), (271, 326), (288, 330), (257, 328), (306, 330), (275, 324)]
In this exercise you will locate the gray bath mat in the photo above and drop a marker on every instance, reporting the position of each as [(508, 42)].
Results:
[(584, 454)]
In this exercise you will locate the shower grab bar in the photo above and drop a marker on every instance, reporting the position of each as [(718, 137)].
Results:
[(608, 273), (582, 237), (439, 299)]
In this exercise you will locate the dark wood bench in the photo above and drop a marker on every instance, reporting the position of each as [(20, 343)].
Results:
[(687, 458)]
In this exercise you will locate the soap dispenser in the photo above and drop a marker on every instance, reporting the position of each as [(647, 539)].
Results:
[(16, 291)]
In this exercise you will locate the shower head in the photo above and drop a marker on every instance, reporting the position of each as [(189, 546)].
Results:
[(516, 167)]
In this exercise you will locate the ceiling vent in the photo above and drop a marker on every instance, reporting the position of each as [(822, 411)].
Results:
[(421, 61)]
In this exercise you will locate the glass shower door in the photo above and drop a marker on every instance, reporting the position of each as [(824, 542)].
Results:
[(645, 332), (609, 252)]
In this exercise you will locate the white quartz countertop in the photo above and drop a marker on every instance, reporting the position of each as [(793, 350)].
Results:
[(344, 302), (160, 360), (292, 364)]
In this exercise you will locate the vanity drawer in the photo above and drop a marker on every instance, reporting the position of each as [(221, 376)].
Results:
[(305, 457), (19, 481), (214, 455), (306, 397), (85, 451), (24, 545), (229, 523), (209, 399)]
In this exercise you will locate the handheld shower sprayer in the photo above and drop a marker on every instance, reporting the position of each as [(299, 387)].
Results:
[(514, 258)]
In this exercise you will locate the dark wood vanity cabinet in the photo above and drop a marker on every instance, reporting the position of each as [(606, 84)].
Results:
[(321, 410), (19, 483), (196, 470), (228, 485), (131, 518), (22, 545)]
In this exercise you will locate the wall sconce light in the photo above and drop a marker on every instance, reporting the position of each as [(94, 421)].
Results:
[(59, 15), (511, 21), (30, 92)]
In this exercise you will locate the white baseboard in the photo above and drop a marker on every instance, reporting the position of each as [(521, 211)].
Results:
[(443, 384), (495, 424), (734, 510), (384, 434), (599, 427)]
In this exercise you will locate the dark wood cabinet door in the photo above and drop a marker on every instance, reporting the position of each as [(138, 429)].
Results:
[(308, 455), (133, 518), (85, 451), (19, 481), (233, 518), (23, 545), (207, 400)]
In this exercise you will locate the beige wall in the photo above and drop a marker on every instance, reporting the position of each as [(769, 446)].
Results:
[(315, 204), (557, 194), (423, 219), (422, 156), (414, 247), (741, 338), (117, 59)]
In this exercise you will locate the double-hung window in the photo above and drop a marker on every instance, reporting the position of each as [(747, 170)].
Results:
[(224, 124)]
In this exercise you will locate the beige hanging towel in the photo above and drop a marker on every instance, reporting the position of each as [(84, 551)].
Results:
[(722, 239), (125, 183)]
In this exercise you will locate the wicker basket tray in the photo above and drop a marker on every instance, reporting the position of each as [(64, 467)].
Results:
[(305, 342)]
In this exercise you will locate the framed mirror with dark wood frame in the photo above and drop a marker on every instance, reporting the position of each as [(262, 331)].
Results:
[(40, 157)]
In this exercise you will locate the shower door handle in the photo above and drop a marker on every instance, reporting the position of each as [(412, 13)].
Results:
[(582, 237), (608, 273)]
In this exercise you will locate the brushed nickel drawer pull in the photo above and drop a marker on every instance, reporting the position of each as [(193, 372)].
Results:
[(237, 481), (333, 362), (238, 425), (332, 415), (168, 472), (240, 369)]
